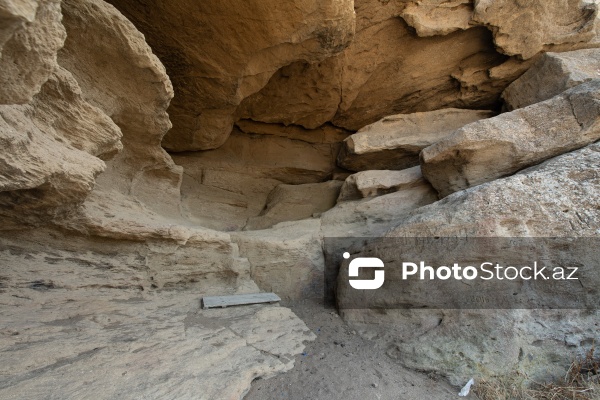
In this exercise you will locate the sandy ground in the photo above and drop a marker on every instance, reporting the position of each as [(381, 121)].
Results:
[(340, 364)]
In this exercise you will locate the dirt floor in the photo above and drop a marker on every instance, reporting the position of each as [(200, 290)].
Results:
[(340, 364)]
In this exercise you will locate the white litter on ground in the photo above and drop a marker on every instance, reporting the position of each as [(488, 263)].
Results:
[(467, 388)]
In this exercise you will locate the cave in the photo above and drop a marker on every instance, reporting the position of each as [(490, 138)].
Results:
[(158, 154)]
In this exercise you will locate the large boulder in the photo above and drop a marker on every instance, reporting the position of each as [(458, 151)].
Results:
[(395, 142), (552, 74), (499, 146), (373, 216), (555, 199)]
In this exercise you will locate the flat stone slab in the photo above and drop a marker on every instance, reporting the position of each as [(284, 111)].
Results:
[(238, 300)]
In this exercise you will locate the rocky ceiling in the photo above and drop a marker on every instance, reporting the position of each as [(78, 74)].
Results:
[(344, 62)]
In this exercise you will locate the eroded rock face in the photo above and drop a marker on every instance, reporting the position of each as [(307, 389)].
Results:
[(499, 146), (555, 199), (295, 202), (376, 183), (396, 141), (134, 90), (30, 36), (548, 24), (287, 259), (251, 41), (222, 188), (49, 163), (14, 15), (111, 333), (526, 28), (439, 17), (552, 74), (83, 133), (380, 80), (302, 64)]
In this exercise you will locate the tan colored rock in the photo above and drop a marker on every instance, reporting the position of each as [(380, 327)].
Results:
[(381, 80), (499, 146), (30, 36), (438, 17), (556, 199), (324, 134), (506, 19), (552, 74), (111, 332), (396, 141), (48, 158), (313, 72), (310, 101), (367, 82), (286, 259), (374, 216), (222, 188), (295, 202), (119, 74), (251, 41), (379, 182), (14, 15), (526, 28)]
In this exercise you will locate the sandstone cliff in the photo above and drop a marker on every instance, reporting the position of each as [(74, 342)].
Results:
[(156, 152)]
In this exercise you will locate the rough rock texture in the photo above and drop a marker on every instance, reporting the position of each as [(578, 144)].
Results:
[(80, 324), (499, 146), (558, 198), (374, 216), (526, 28), (298, 79), (48, 160), (380, 80), (396, 141), (102, 298), (222, 188), (30, 36), (251, 41), (302, 63), (14, 15), (124, 271), (552, 74), (519, 28), (304, 94), (295, 202), (376, 183), (438, 17), (134, 91), (287, 259)]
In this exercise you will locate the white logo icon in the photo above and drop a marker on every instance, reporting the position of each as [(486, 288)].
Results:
[(365, 262)]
